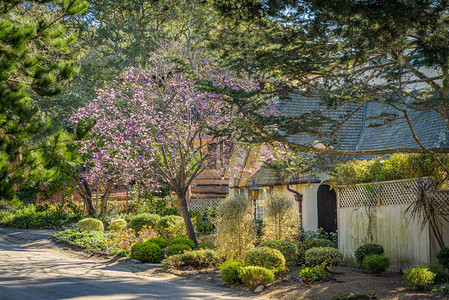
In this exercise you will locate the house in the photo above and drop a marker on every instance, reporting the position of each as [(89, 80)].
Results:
[(315, 198)]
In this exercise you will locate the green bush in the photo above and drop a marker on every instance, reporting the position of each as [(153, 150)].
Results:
[(265, 257), (206, 245), (256, 275), (317, 273), (197, 259), (312, 243), (146, 252), (178, 249), (443, 257), (90, 224), (203, 224), (328, 255), (137, 222), (376, 263), (171, 227), (230, 271), (183, 240), (440, 273), (117, 224), (288, 249), (366, 250), (442, 290), (419, 277), (161, 242)]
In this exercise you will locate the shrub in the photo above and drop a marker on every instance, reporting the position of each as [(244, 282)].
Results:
[(206, 245), (419, 277), (328, 255), (178, 249), (230, 271), (197, 259), (139, 221), (265, 257), (90, 224), (443, 257), (288, 249), (366, 250), (440, 273), (442, 290), (203, 224), (317, 273), (161, 242), (312, 243), (117, 224), (146, 252), (376, 263), (183, 240), (171, 227), (281, 220), (235, 228), (255, 275)]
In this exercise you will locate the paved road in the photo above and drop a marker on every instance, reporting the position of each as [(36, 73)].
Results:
[(33, 272)]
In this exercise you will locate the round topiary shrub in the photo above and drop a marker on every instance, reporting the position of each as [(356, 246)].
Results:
[(287, 248), (256, 275), (230, 271), (328, 255), (376, 263), (183, 240), (90, 224), (171, 227), (146, 252), (161, 242), (139, 221), (117, 225), (418, 278), (443, 257), (178, 249), (366, 250), (312, 243), (265, 257), (197, 259)]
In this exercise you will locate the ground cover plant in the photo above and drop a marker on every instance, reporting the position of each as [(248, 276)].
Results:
[(95, 240), (316, 273)]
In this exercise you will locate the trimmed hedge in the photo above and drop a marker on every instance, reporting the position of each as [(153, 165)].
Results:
[(139, 221), (118, 224), (230, 272), (287, 248), (328, 255), (366, 250), (90, 224), (178, 249), (183, 240), (161, 242), (376, 263), (146, 252), (197, 259), (256, 275), (265, 257)]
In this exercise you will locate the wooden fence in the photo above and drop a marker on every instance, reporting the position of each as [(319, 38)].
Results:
[(375, 213)]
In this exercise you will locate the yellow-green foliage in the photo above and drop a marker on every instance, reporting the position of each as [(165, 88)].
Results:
[(255, 275), (328, 255), (235, 228), (281, 220), (266, 257), (419, 277), (90, 224), (117, 225), (395, 167)]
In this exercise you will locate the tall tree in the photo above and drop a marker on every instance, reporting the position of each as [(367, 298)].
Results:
[(154, 123), (23, 38), (341, 53)]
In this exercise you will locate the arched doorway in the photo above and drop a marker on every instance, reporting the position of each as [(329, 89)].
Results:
[(327, 208)]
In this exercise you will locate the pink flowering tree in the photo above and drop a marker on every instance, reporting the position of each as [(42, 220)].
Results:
[(155, 124)]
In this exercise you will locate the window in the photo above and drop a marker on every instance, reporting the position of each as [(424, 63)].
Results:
[(261, 204)]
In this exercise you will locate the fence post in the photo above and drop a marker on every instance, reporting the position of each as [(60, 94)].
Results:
[(126, 199)]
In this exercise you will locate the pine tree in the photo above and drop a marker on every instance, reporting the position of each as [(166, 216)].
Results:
[(23, 71)]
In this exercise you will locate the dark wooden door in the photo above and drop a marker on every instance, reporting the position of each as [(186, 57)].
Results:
[(327, 208)]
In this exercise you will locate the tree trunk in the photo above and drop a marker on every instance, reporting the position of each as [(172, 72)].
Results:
[(182, 206), (105, 197)]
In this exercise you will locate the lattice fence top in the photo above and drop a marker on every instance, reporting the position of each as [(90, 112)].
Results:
[(383, 193), (201, 205)]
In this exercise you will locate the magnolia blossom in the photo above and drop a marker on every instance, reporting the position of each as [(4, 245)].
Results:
[(155, 124)]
